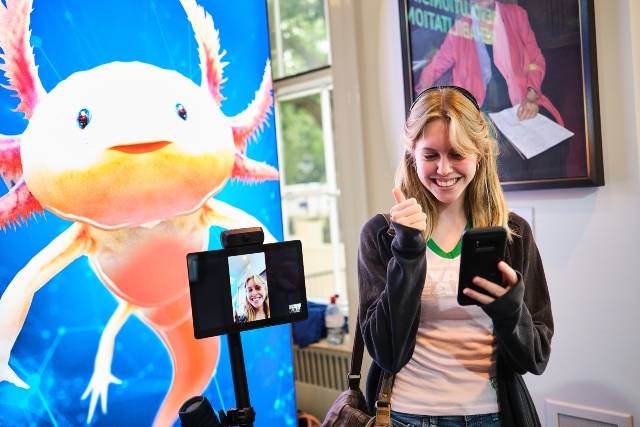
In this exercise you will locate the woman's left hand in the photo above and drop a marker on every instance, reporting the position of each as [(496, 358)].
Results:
[(509, 280), (529, 106)]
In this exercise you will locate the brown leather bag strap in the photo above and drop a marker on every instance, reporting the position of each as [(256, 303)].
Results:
[(356, 358), (382, 416), (354, 375), (383, 404)]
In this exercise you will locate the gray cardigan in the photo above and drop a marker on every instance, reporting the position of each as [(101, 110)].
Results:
[(391, 275)]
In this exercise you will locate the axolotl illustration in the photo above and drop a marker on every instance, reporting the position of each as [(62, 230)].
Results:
[(132, 154)]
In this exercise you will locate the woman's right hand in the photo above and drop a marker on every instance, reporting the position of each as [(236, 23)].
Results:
[(407, 212)]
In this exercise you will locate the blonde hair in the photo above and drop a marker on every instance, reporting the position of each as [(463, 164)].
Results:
[(250, 310), (469, 135)]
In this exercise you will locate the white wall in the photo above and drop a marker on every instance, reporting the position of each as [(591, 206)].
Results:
[(381, 89), (588, 238)]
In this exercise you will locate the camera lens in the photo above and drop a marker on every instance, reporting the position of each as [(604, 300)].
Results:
[(197, 412)]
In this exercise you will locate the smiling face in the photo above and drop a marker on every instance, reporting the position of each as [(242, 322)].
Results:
[(256, 291), (441, 169), (125, 144)]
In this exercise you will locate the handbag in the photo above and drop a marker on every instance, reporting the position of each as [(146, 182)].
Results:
[(307, 420), (350, 408)]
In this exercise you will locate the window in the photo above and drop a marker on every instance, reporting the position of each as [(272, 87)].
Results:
[(303, 86), (299, 36)]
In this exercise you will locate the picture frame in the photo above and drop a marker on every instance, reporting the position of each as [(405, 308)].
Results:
[(512, 53)]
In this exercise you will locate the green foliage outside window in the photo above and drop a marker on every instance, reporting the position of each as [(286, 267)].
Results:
[(303, 140), (303, 30)]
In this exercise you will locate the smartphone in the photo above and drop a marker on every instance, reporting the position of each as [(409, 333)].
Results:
[(482, 249), (246, 287)]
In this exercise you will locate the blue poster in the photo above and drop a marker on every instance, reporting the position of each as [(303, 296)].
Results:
[(131, 133)]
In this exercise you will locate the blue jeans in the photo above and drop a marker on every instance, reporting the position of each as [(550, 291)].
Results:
[(399, 419)]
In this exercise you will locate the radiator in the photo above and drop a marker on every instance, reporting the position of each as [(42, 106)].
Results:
[(321, 367)]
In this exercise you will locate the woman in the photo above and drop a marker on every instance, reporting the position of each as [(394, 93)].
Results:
[(256, 300), (448, 360)]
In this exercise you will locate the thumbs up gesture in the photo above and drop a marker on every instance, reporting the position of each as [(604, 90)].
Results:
[(407, 212)]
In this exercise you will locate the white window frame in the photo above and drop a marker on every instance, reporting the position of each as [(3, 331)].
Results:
[(343, 26), (314, 83)]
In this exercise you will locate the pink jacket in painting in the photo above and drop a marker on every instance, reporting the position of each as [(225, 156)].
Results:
[(516, 55)]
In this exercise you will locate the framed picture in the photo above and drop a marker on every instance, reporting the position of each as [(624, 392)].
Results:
[(531, 65)]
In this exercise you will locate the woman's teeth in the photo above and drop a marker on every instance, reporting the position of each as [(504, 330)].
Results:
[(446, 183)]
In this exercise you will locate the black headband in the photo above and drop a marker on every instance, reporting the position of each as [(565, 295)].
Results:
[(458, 89)]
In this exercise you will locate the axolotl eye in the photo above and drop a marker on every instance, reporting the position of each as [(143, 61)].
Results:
[(84, 117), (182, 112)]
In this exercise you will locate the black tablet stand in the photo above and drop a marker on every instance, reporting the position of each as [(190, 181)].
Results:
[(243, 415), (197, 411)]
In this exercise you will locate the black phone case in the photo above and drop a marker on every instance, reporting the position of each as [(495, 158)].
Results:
[(482, 248)]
